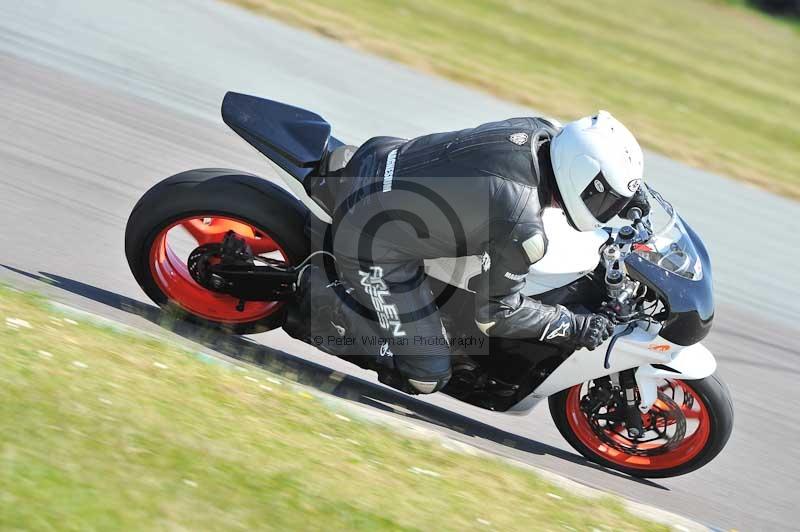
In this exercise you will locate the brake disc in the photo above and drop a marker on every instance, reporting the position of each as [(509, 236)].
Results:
[(658, 422)]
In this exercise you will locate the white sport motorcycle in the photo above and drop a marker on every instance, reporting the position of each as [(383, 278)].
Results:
[(646, 403)]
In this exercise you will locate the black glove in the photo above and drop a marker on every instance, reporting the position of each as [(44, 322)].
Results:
[(591, 330), (638, 201)]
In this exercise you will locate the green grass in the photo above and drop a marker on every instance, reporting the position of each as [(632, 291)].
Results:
[(103, 430), (783, 18), (708, 83)]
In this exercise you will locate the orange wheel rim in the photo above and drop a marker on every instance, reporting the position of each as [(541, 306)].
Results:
[(611, 445), (171, 273)]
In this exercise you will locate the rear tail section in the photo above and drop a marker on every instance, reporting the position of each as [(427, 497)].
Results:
[(295, 139)]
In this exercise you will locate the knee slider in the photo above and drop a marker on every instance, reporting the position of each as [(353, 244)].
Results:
[(428, 386)]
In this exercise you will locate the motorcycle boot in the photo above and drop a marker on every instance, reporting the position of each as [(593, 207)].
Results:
[(313, 315)]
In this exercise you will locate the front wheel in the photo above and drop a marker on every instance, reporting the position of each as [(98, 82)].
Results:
[(688, 425)]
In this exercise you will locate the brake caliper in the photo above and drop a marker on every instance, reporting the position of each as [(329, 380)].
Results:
[(233, 251)]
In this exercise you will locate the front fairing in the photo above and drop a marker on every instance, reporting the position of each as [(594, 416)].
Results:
[(684, 286)]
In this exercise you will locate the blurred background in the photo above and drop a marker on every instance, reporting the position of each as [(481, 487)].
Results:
[(100, 100), (709, 83)]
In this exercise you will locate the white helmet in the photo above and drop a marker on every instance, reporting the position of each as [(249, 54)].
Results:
[(598, 167)]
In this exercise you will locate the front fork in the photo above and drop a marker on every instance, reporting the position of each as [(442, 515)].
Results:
[(689, 363), (626, 382)]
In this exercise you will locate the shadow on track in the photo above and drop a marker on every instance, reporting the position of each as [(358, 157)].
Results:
[(313, 374)]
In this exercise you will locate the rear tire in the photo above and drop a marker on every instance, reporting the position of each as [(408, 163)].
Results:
[(715, 398), (229, 195)]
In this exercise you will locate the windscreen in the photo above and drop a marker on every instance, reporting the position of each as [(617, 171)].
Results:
[(670, 248)]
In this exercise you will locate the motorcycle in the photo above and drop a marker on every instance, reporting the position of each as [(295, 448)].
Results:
[(226, 247)]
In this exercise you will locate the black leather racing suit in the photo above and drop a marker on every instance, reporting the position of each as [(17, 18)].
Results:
[(477, 191)]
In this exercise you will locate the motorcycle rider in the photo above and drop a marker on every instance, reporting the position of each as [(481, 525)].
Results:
[(478, 191)]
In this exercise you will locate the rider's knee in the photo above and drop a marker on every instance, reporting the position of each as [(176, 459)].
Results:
[(425, 374)]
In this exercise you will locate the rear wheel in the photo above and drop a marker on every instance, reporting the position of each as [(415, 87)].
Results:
[(688, 425), (199, 208)]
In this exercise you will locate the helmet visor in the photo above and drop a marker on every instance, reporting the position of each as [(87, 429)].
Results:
[(603, 201)]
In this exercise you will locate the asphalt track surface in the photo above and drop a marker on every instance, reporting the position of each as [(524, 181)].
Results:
[(99, 100)]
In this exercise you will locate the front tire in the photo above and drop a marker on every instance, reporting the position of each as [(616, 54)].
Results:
[(206, 204), (700, 412)]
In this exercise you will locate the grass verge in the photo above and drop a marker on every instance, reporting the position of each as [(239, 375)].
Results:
[(104, 430), (710, 84)]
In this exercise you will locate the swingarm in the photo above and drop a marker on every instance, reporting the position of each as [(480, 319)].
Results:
[(231, 268)]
